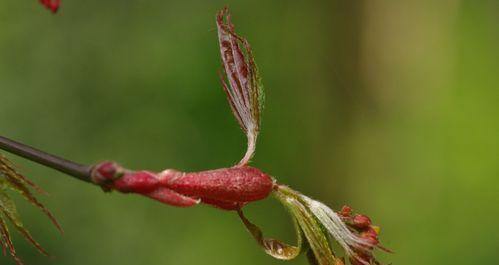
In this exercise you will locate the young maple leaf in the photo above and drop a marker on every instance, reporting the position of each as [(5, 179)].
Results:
[(11, 180), (53, 5), (245, 90)]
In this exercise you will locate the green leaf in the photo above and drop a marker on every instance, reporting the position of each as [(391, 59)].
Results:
[(314, 233), (311, 236)]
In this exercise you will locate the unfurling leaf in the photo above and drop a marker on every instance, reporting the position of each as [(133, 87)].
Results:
[(353, 233), (10, 179), (316, 226), (244, 90), (311, 236), (274, 247), (320, 249)]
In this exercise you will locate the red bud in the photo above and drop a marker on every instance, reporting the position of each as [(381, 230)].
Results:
[(361, 221), (238, 184), (346, 211)]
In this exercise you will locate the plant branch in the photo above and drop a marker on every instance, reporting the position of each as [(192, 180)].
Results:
[(70, 168)]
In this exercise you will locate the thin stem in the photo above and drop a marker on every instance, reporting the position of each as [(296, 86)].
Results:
[(70, 168)]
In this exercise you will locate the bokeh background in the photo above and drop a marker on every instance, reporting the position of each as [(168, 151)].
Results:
[(391, 107)]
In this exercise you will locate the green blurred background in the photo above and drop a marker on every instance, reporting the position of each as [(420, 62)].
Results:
[(388, 106)]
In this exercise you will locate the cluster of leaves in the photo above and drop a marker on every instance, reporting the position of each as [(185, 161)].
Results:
[(11, 180), (317, 226), (315, 222), (311, 235)]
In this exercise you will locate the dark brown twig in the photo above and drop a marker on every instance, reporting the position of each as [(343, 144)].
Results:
[(70, 168)]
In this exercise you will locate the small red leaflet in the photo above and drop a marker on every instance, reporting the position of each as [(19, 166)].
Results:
[(53, 5)]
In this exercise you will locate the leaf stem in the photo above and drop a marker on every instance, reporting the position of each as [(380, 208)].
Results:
[(68, 167)]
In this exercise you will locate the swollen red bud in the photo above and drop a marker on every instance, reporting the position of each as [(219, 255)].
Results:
[(361, 221), (106, 172), (346, 211), (239, 184), (107, 169), (227, 188)]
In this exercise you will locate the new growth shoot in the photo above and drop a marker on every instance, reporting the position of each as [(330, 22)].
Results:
[(230, 189), (313, 219)]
